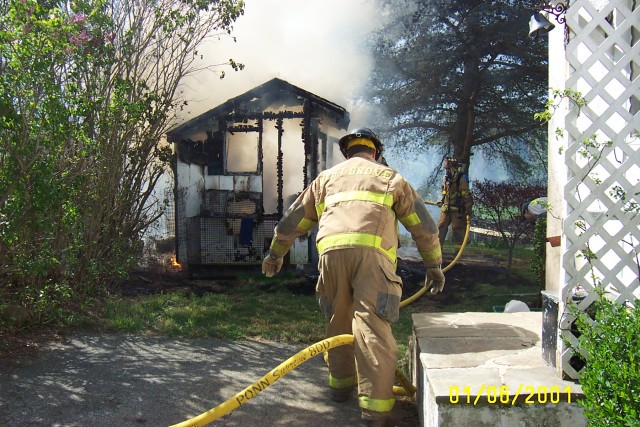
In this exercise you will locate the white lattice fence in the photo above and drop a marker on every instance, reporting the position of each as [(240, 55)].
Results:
[(602, 159)]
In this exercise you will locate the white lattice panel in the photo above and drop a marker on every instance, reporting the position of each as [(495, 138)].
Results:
[(602, 159)]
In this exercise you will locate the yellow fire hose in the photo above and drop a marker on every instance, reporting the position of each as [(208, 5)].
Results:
[(320, 347), (424, 289), (278, 372)]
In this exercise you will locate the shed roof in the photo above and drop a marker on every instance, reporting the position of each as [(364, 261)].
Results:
[(276, 93)]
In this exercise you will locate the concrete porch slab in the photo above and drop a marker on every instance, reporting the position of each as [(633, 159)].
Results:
[(486, 369)]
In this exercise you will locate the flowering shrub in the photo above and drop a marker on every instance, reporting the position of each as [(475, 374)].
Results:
[(84, 105)]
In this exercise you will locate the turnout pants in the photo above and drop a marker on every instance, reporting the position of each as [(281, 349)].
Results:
[(458, 223), (359, 293)]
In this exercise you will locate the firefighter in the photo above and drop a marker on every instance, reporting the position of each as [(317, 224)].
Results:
[(456, 201), (356, 206), (534, 209)]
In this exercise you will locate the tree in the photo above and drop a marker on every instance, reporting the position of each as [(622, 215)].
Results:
[(461, 74), (500, 204), (89, 90)]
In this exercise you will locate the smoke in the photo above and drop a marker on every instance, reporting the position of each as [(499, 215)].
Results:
[(292, 163), (242, 153), (318, 45)]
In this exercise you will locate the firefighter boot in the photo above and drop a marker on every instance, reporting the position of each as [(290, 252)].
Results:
[(375, 419), (340, 394)]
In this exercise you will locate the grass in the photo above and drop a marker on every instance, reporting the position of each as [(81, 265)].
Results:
[(241, 312), (261, 308)]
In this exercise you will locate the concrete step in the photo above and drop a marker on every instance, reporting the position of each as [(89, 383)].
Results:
[(486, 369)]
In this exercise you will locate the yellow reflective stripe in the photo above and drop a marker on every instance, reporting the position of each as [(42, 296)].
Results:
[(306, 224), (277, 247), (361, 141), (431, 255), (347, 382), (355, 239), (385, 199), (410, 220), (377, 405)]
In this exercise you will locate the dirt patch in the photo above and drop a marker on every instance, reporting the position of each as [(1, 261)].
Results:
[(474, 283), (19, 345)]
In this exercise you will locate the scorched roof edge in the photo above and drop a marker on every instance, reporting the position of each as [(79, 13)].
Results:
[(271, 85)]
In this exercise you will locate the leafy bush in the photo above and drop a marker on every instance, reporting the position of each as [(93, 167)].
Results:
[(500, 204), (83, 112), (611, 378)]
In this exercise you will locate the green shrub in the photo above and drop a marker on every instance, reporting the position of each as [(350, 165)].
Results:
[(611, 378), (539, 256)]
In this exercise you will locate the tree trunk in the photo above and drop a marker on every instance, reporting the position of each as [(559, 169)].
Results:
[(465, 117), (510, 257)]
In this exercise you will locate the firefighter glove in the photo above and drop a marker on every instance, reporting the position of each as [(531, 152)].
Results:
[(436, 278), (270, 265)]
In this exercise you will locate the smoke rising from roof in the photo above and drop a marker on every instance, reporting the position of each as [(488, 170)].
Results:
[(317, 45)]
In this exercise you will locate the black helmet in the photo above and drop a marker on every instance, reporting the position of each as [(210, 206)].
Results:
[(360, 133)]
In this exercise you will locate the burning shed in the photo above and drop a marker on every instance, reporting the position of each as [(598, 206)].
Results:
[(239, 166)]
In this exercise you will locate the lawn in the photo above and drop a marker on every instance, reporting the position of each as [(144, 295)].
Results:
[(284, 308)]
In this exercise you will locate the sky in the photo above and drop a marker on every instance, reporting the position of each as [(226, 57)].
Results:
[(317, 45)]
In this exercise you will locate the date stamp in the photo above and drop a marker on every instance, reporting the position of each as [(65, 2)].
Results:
[(503, 395)]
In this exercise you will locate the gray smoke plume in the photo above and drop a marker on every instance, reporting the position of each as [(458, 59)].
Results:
[(318, 45)]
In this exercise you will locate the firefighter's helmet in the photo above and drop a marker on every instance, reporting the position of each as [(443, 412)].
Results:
[(451, 162), (357, 136)]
